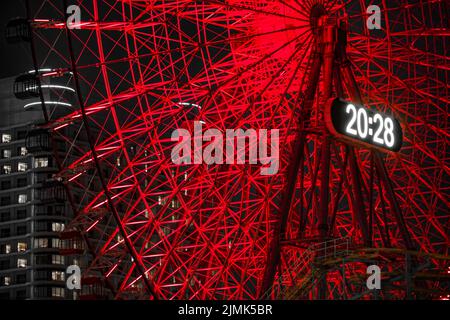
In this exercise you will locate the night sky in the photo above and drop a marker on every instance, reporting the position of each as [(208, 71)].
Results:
[(15, 57)]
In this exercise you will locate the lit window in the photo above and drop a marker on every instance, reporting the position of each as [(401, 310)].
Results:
[(41, 162), (23, 151), (22, 167), (41, 243), (175, 204), (57, 292), (7, 153), (21, 247), (21, 263), (57, 259), (7, 281), (6, 138), (22, 198), (57, 227), (6, 249), (56, 243), (6, 169), (57, 276)]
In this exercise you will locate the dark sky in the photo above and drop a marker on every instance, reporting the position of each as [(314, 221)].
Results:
[(15, 58)]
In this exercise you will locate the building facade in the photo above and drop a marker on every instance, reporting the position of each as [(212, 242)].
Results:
[(33, 209)]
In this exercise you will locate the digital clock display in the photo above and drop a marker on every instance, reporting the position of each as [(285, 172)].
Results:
[(360, 124)]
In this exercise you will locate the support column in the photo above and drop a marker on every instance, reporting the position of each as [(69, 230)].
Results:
[(328, 41), (273, 257)]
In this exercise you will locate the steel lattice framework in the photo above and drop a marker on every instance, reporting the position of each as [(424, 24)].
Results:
[(143, 68)]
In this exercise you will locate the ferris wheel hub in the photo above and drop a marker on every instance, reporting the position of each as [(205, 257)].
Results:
[(318, 12)]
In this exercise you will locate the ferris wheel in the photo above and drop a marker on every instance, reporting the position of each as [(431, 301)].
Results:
[(150, 228)]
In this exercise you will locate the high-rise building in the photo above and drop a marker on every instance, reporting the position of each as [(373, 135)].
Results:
[(33, 206)]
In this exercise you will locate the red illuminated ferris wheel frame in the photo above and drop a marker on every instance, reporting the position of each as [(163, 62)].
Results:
[(141, 70)]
